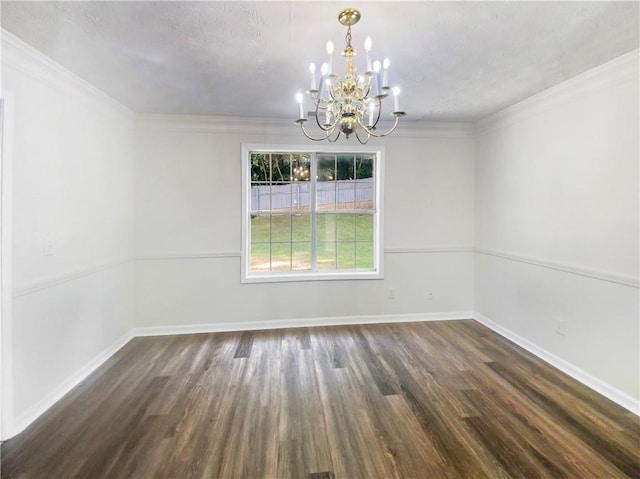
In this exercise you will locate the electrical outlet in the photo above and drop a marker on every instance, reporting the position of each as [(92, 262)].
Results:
[(429, 294), (561, 327), (392, 294)]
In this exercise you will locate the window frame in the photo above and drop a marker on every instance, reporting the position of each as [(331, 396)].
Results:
[(377, 272)]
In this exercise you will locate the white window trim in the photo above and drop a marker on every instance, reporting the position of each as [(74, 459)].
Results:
[(246, 276)]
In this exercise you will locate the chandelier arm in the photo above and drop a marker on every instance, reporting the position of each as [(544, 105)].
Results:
[(336, 138), (365, 141), (322, 104), (375, 123), (366, 94), (331, 93), (370, 132), (304, 131)]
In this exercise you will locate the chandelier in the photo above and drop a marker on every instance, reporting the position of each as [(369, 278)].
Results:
[(351, 104)]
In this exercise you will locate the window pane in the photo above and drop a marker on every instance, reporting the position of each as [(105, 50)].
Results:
[(364, 227), (281, 197), (301, 256), (346, 227), (301, 167), (260, 256), (345, 168), (326, 227), (345, 193), (301, 227), (326, 255), (326, 185), (260, 197), (280, 182), (260, 229), (281, 228), (326, 167), (365, 193), (345, 186), (280, 256), (301, 195), (301, 182), (281, 237), (260, 167), (364, 167), (346, 255), (280, 168), (364, 254)]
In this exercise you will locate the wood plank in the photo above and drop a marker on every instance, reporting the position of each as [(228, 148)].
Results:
[(449, 400)]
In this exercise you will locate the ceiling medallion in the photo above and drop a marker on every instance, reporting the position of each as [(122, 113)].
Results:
[(351, 104)]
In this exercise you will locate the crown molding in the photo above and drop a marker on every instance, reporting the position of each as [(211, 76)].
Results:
[(432, 129), (620, 70), (215, 124), (20, 56), (267, 126)]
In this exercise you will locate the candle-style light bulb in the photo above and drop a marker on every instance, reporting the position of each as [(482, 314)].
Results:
[(330, 55), (372, 108), (327, 118), (396, 103), (385, 74), (312, 69), (330, 47), (368, 43), (300, 108), (377, 91), (324, 68)]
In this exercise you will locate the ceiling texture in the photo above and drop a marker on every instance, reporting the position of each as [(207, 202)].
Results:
[(454, 61)]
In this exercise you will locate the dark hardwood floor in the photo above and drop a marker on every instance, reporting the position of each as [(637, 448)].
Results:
[(418, 400)]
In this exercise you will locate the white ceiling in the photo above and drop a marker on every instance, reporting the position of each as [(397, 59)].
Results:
[(454, 61)]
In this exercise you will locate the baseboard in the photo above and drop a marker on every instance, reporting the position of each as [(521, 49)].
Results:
[(26, 418), (619, 397), (299, 323)]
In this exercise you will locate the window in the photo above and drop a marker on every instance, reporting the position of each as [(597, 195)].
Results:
[(311, 214)]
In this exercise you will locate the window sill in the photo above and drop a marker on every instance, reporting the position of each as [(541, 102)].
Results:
[(287, 276)]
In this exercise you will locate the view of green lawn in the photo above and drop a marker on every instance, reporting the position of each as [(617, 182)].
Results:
[(283, 241)]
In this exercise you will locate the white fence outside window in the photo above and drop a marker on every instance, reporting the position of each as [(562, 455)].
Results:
[(297, 195)]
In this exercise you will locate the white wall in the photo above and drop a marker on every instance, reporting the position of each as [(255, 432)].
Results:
[(554, 184), (72, 172), (557, 212), (188, 229)]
